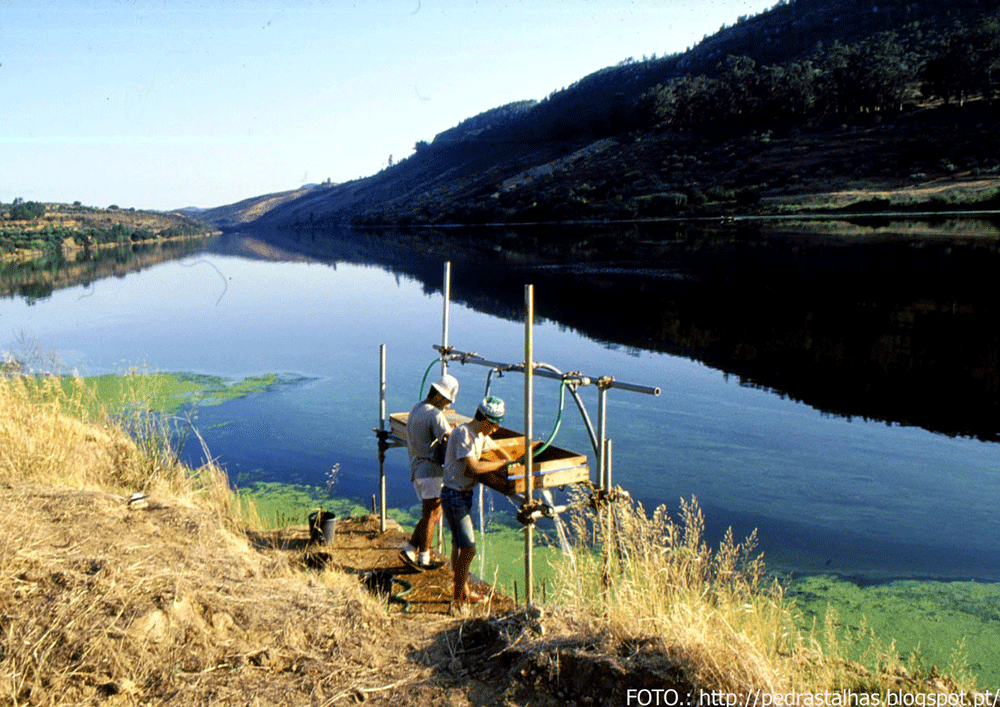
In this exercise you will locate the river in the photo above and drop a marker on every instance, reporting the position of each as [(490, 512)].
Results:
[(839, 392)]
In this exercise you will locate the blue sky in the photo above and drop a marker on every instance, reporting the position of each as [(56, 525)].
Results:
[(176, 103)]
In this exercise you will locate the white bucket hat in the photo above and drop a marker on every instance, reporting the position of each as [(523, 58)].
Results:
[(447, 387)]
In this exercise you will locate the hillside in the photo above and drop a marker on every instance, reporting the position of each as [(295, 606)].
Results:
[(30, 230), (782, 112), (243, 212)]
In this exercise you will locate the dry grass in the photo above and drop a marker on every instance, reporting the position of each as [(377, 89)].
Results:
[(716, 614), (164, 601), (102, 602)]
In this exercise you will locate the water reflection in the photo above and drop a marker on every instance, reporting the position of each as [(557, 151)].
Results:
[(896, 323), (37, 279), (889, 327), (891, 324)]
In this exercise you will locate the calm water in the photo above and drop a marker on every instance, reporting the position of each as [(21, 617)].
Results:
[(872, 468)]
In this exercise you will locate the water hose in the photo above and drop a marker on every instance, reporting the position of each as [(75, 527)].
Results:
[(400, 597), (489, 376), (563, 385), (555, 428), (424, 379)]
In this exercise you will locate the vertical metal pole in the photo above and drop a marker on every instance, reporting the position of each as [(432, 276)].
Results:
[(445, 317), (602, 422), (610, 516), (446, 289), (607, 463), (602, 467), (529, 482), (381, 427)]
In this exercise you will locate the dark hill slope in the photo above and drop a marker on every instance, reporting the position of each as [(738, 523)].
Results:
[(464, 174)]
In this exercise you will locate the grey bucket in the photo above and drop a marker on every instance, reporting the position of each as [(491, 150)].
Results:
[(322, 526)]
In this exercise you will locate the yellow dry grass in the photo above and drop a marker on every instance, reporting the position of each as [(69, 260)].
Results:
[(716, 613), (171, 600), (163, 601)]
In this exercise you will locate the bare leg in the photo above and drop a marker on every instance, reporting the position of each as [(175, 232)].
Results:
[(422, 534), (460, 565)]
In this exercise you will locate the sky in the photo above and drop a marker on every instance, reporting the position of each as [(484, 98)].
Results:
[(175, 103)]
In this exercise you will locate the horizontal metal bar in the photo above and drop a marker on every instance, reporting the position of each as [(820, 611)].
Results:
[(635, 388), (469, 357)]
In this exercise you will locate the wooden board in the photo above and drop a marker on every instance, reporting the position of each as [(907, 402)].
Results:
[(553, 467)]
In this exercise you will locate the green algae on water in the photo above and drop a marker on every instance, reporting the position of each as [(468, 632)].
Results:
[(939, 624), (168, 392)]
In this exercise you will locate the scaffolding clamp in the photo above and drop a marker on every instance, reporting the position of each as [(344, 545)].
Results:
[(600, 498), (387, 440)]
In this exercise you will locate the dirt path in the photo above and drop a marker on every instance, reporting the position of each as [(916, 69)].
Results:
[(359, 548)]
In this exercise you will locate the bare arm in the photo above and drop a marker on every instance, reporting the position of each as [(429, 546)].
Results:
[(478, 467)]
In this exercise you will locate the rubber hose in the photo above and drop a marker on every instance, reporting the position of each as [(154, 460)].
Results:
[(400, 597)]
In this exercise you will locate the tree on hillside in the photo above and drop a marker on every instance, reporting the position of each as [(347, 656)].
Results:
[(26, 210), (963, 62), (870, 76)]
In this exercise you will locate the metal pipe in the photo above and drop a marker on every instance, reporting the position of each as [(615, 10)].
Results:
[(445, 318), (446, 289), (529, 535), (607, 462), (648, 390), (602, 434), (585, 416), (381, 427), (471, 357)]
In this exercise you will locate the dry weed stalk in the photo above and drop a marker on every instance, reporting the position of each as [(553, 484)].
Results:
[(716, 613)]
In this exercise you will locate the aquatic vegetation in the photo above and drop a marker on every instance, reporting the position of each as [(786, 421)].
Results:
[(937, 622), (162, 392), (718, 615)]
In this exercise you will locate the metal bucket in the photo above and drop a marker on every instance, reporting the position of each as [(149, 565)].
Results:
[(322, 526)]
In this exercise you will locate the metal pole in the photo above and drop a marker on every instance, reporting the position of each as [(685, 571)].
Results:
[(609, 525), (446, 289), (607, 462), (603, 477), (445, 317), (468, 357), (529, 534), (381, 427), (602, 433)]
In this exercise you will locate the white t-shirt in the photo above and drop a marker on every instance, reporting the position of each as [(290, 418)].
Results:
[(463, 443), (425, 425)]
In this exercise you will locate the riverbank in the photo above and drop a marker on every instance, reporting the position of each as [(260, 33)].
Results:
[(69, 231), (172, 596)]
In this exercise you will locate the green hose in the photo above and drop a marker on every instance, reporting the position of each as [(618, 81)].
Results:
[(555, 429), (399, 597), (424, 379)]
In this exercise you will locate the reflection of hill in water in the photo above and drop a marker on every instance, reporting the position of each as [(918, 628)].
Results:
[(902, 328), (899, 328), (38, 279)]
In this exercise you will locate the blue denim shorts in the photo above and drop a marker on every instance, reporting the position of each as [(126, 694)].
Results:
[(457, 508)]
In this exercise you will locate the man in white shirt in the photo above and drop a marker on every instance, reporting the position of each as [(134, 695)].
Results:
[(427, 431), (463, 466)]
